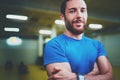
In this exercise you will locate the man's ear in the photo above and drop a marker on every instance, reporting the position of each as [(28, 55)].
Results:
[(62, 17)]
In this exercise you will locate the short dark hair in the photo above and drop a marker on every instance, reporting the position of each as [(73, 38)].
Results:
[(63, 6)]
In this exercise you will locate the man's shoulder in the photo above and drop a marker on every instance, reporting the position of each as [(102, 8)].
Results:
[(56, 39), (92, 40), (95, 42)]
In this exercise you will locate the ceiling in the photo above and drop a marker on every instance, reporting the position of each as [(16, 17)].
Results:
[(42, 14)]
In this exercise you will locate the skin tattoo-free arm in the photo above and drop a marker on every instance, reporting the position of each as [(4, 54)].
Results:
[(62, 71), (105, 69)]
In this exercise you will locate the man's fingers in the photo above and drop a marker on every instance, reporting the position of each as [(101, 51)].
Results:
[(56, 69)]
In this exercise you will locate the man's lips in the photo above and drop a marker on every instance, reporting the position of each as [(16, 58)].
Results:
[(78, 23)]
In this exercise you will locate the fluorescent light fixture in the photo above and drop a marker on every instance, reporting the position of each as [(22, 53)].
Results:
[(11, 29), (95, 26), (14, 41), (19, 17), (45, 32), (59, 22)]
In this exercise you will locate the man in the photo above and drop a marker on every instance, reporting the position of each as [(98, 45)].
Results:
[(73, 56)]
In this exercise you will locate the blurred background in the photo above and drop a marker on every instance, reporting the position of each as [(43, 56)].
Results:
[(26, 25)]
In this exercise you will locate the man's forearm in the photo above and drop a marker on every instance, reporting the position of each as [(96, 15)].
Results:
[(107, 76)]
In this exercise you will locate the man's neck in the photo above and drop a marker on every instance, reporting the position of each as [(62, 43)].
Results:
[(69, 34)]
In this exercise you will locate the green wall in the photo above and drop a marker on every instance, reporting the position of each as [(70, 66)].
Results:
[(26, 52)]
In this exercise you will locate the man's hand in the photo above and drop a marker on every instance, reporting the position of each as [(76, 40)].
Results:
[(62, 74)]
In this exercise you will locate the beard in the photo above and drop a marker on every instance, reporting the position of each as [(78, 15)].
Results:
[(70, 27)]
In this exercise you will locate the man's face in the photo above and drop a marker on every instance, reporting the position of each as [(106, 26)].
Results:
[(75, 16)]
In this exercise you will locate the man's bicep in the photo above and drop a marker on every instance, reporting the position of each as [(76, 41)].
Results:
[(104, 65), (62, 65)]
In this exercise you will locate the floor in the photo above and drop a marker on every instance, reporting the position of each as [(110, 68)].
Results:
[(116, 71), (36, 73)]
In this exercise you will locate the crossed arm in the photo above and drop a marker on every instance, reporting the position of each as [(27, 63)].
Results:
[(62, 71)]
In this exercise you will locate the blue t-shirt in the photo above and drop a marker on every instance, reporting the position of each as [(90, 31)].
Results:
[(80, 54)]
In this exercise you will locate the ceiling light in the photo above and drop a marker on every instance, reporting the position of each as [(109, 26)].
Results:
[(45, 32), (95, 26), (19, 17), (11, 29), (14, 41), (59, 22)]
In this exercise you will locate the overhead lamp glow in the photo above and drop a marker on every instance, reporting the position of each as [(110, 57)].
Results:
[(11, 29), (95, 26), (45, 32), (18, 17), (59, 22), (14, 41)]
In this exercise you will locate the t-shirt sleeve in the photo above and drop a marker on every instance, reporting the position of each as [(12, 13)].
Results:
[(101, 49), (53, 53)]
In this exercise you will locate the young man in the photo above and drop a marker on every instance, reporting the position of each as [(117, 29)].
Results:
[(73, 56)]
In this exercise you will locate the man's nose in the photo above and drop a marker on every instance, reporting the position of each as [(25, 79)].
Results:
[(79, 14)]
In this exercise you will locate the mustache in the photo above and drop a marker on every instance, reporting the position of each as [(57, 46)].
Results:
[(77, 21)]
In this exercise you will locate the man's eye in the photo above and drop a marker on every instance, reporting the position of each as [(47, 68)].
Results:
[(72, 11), (83, 10)]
